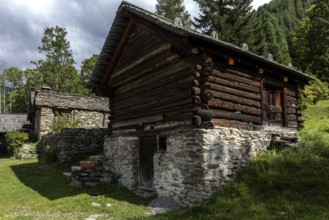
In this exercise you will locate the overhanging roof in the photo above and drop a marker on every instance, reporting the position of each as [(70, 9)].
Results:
[(127, 11)]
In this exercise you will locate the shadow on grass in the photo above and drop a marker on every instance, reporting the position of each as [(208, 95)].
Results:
[(48, 180)]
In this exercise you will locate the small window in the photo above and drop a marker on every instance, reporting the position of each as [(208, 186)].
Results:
[(162, 143)]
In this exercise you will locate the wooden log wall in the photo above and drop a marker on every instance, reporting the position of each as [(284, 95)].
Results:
[(294, 115), (226, 97), (151, 84)]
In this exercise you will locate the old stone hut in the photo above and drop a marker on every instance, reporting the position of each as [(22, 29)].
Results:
[(90, 111), (188, 110)]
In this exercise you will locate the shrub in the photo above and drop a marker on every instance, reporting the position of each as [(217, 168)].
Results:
[(15, 140), (316, 91), (62, 121)]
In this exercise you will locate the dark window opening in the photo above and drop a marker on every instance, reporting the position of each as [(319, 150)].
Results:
[(162, 143)]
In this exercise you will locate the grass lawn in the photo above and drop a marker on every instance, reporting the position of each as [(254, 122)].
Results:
[(33, 190), (293, 184)]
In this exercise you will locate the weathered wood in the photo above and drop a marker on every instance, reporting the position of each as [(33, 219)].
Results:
[(275, 109), (149, 65), (196, 83), (235, 85), (291, 93), (292, 117), (230, 77), (137, 121), (220, 104), (182, 80), (262, 101), (118, 51), (292, 124), (196, 100), (232, 124), (291, 111), (284, 106), (186, 107), (147, 57), (233, 98), (196, 91), (162, 104), (291, 99), (163, 75), (196, 120), (206, 114), (220, 88)]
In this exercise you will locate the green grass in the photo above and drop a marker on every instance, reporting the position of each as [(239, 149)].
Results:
[(292, 184), (34, 190)]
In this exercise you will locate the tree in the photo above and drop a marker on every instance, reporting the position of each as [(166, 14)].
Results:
[(173, 8), (87, 68), (233, 20), (57, 68), (317, 39), (310, 43), (271, 39)]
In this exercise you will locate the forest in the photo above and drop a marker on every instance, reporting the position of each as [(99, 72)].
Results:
[(294, 32)]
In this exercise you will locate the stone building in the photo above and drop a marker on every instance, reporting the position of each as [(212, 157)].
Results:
[(89, 111), (188, 111)]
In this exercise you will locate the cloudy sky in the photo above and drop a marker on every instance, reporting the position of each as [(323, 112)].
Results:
[(87, 22)]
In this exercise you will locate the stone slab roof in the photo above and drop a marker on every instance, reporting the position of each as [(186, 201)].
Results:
[(69, 101), (127, 10)]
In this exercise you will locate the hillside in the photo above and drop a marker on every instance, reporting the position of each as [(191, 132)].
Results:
[(288, 12)]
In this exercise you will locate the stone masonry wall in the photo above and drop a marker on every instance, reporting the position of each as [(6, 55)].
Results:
[(12, 122), (198, 163), (73, 142), (121, 155), (90, 111)]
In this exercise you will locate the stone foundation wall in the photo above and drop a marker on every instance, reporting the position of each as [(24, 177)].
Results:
[(196, 163), (73, 142), (121, 155)]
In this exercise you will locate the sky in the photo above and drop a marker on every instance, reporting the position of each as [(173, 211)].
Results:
[(87, 22)]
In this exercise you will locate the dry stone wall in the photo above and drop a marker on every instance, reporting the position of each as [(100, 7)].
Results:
[(72, 142), (121, 155), (12, 122), (196, 163)]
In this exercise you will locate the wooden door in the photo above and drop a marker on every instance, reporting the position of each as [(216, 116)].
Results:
[(147, 146), (272, 106)]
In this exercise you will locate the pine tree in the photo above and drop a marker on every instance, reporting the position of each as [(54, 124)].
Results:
[(173, 8), (271, 39), (318, 40), (232, 20)]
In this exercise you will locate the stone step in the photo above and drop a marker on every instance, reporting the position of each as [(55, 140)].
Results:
[(88, 164), (67, 174), (75, 168), (96, 158)]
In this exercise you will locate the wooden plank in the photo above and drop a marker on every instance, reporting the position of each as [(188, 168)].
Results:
[(147, 57), (235, 85), (220, 104), (235, 99), (220, 88), (232, 124), (284, 106), (291, 111), (207, 115), (275, 109), (137, 121), (234, 78), (118, 51)]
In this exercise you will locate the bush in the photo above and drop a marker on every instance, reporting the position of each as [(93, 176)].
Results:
[(15, 140), (62, 121), (316, 91)]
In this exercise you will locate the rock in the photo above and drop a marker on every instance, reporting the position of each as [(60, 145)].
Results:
[(75, 183), (96, 204), (67, 174), (91, 184)]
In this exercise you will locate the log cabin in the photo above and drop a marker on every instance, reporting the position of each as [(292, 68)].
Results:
[(188, 110)]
